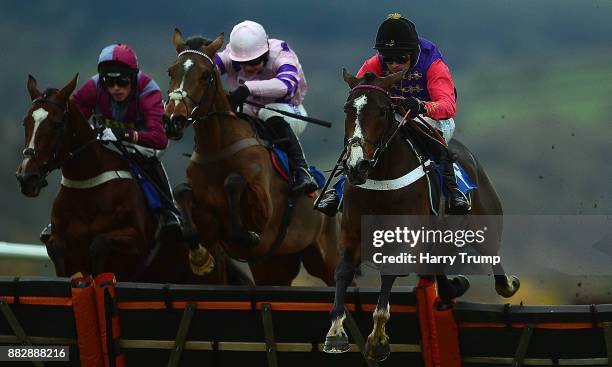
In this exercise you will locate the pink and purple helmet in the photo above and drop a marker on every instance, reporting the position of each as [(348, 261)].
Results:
[(118, 53)]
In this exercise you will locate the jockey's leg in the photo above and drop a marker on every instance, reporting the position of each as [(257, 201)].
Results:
[(171, 227), (302, 181), (457, 202)]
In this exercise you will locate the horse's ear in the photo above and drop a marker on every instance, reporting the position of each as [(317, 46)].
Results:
[(349, 78), (65, 92), (214, 45), (34, 92), (388, 81), (177, 41)]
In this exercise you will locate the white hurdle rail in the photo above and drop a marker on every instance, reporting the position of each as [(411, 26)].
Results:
[(22, 251)]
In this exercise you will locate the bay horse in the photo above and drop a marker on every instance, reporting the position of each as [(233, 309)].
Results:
[(375, 151), (100, 218), (240, 201)]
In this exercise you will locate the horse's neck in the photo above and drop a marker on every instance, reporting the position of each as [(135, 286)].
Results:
[(398, 160), (89, 161), (218, 131)]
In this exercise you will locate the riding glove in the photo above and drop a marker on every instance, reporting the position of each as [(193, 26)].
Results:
[(415, 105), (121, 134), (238, 96)]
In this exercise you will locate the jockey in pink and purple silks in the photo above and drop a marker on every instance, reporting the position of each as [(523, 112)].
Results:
[(127, 104), (267, 71)]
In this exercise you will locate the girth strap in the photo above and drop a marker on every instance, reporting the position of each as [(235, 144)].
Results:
[(96, 180), (226, 152)]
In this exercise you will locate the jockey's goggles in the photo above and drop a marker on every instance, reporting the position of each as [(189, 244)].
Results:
[(395, 58), (111, 79), (253, 62)]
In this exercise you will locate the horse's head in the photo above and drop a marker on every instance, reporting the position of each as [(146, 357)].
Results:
[(45, 127), (193, 81), (369, 124)]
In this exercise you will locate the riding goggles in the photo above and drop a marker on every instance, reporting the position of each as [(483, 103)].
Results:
[(111, 79), (395, 58)]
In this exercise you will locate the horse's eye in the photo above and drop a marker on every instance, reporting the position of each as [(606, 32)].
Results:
[(205, 76)]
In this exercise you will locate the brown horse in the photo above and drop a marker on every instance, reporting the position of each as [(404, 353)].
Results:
[(375, 151), (239, 199), (100, 218)]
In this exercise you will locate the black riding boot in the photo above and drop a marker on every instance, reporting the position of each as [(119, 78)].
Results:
[(457, 202), (302, 181), (329, 203), (171, 227)]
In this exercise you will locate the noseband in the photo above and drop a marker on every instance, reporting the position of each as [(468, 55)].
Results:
[(179, 94), (55, 161), (391, 130)]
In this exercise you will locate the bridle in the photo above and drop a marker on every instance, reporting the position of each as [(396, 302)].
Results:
[(194, 116), (393, 127), (56, 161)]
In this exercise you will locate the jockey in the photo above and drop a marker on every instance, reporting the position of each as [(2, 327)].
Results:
[(427, 91), (268, 72), (128, 104)]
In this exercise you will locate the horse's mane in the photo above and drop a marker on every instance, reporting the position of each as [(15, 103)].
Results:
[(196, 42), (368, 78)]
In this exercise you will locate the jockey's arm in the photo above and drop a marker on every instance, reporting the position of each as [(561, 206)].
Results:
[(222, 61), (153, 135), (371, 65), (283, 85), (442, 92), (85, 98)]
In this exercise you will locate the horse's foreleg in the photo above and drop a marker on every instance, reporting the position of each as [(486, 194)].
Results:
[(451, 288), (336, 340), (234, 186), (201, 260), (56, 249), (120, 244), (377, 346)]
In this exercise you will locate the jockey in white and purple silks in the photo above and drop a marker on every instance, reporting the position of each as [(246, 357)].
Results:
[(268, 72)]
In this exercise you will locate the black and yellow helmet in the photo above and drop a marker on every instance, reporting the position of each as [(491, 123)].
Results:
[(397, 34)]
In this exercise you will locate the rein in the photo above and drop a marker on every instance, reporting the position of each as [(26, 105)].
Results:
[(180, 95), (393, 129), (56, 161)]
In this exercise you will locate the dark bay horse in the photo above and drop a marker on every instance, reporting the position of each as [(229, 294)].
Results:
[(100, 218), (239, 199), (374, 152)]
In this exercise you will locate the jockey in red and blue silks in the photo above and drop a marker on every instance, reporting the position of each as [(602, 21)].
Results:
[(426, 91), (127, 104)]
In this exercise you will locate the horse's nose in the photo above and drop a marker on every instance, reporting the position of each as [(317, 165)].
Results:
[(28, 152), (31, 184), (178, 120), (362, 166)]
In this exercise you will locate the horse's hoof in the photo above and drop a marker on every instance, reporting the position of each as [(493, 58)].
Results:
[(377, 352), (509, 287), (336, 344), (251, 239), (201, 261), (443, 305), (462, 284)]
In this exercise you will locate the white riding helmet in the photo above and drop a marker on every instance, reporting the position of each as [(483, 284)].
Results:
[(248, 41)]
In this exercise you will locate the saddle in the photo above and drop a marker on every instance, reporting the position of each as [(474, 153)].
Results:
[(414, 135)]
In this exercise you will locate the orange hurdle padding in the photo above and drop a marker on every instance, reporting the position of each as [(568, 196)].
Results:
[(108, 320), (439, 332), (85, 315)]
